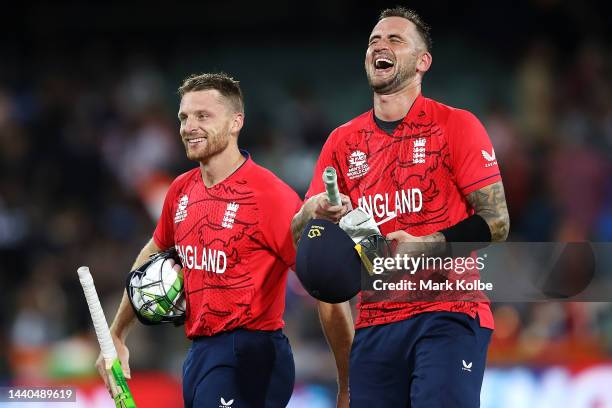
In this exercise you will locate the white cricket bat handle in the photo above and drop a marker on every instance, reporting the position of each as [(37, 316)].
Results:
[(97, 314), (330, 179)]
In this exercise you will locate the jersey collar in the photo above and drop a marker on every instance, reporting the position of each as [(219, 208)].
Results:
[(248, 162), (411, 116)]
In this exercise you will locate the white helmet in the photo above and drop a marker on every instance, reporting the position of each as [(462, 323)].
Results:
[(155, 289)]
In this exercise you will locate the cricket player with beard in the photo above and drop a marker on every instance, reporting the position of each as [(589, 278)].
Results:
[(229, 220), (427, 173)]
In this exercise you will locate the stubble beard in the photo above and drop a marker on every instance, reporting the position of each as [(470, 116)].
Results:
[(215, 144), (402, 76)]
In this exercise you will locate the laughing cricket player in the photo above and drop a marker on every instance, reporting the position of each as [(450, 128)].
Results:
[(428, 174)]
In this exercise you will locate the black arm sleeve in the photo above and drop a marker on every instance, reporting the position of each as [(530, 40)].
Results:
[(472, 229)]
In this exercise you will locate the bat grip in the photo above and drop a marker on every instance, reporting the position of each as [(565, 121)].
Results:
[(330, 179), (97, 314)]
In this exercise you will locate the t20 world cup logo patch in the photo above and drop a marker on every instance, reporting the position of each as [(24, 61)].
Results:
[(181, 209), (358, 165)]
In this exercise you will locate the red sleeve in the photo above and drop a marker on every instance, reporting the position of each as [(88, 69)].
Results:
[(164, 232), (278, 212), (326, 158), (472, 156)]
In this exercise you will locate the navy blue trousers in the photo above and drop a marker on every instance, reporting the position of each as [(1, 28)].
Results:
[(433, 360), (239, 369)]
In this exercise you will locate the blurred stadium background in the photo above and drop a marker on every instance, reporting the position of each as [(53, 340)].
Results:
[(89, 141)]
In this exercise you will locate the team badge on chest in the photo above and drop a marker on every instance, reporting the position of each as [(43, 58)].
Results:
[(230, 215), (418, 150)]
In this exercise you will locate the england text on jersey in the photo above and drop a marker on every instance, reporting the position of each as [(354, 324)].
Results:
[(388, 205), (198, 257)]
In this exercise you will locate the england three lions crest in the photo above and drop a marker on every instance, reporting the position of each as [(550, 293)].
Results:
[(230, 215), (418, 150)]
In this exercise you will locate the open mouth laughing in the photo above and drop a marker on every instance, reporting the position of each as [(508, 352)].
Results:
[(383, 64)]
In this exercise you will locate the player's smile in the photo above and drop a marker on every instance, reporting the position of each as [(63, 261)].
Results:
[(195, 141), (196, 145)]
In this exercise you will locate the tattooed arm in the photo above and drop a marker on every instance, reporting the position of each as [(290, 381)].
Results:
[(490, 203)]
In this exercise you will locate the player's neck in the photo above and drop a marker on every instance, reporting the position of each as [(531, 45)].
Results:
[(221, 166), (395, 106)]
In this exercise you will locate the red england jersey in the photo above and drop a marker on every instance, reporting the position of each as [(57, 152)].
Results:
[(235, 243), (415, 179)]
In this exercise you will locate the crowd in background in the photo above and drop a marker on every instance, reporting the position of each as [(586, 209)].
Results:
[(89, 142)]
